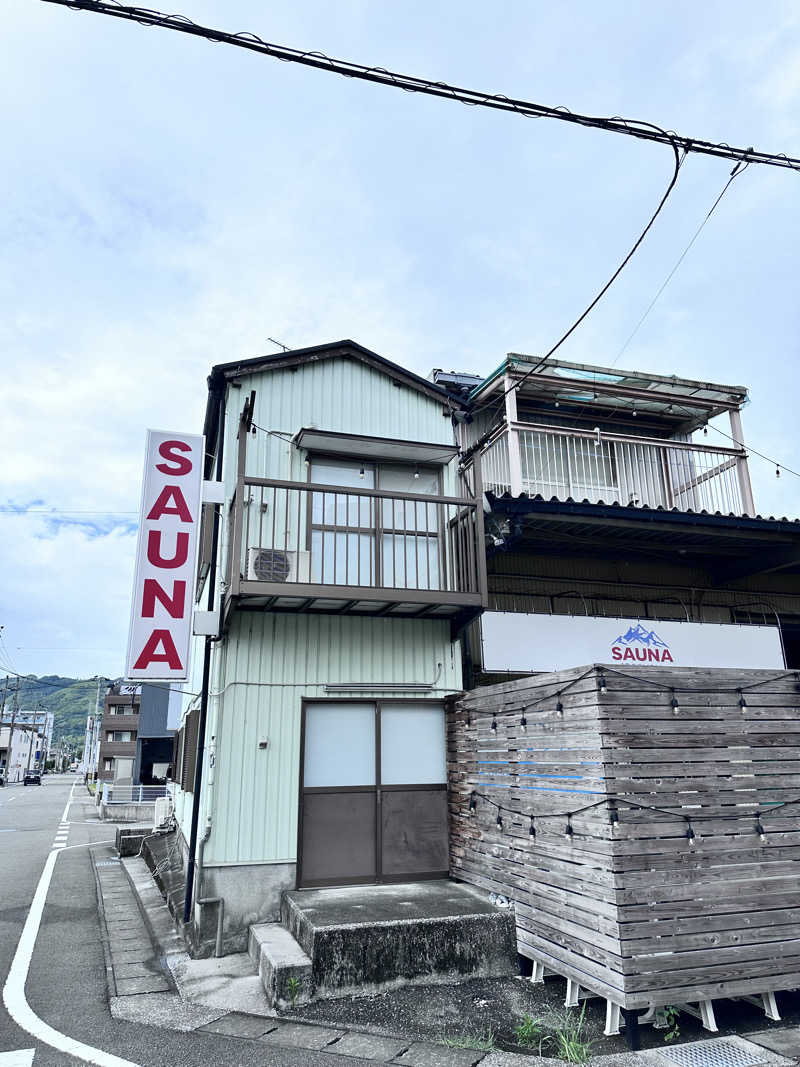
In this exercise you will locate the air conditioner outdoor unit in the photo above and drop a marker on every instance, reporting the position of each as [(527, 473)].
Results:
[(277, 565), (163, 810)]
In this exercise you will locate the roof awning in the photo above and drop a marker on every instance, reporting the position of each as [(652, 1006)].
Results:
[(388, 448)]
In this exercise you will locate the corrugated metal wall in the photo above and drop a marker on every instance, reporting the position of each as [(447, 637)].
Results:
[(271, 663), (252, 793), (340, 395)]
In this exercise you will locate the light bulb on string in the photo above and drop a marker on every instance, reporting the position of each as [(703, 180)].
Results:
[(494, 723), (742, 702), (690, 834), (762, 833), (602, 680), (416, 471), (361, 473), (473, 802), (559, 708), (568, 831), (777, 472), (613, 815), (531, 829), (523, 723), (674, 704), (499, 823)]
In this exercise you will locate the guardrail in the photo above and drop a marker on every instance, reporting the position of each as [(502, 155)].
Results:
[(297, 534), (132, 794), (613, 468)]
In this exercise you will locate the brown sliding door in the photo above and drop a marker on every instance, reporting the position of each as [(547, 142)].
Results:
[(373, 796)]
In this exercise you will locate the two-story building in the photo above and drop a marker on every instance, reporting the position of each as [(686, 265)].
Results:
[(370, 517)]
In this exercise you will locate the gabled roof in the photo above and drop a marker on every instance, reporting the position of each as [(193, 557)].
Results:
[(333, 350), (225, 372)]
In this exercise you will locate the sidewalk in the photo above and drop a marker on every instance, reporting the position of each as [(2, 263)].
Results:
[(151, 979)]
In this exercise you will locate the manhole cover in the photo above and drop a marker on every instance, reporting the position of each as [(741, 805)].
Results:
[(717, 1053)]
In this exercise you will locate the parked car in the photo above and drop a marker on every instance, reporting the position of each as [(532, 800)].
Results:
[(32, 778)]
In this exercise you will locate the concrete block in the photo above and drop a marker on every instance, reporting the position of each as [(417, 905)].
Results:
[(129, 839), (301, 1035), (238, 1024), (368, 1047), (426, 1054), (281, 964), (373, 938)]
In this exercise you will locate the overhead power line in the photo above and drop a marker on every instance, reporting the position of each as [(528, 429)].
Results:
[(738, 169), (409, 83)]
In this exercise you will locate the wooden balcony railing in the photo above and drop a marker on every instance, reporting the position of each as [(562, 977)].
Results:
[(613, 468)]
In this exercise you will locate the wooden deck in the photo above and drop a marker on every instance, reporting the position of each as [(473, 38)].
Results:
[(634, 910)]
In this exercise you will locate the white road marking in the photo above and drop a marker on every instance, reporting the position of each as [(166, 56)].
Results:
[(14, 989), (22, 1057)]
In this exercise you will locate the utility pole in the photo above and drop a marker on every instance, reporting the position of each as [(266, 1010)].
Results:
[(4, 771), (14, 710)]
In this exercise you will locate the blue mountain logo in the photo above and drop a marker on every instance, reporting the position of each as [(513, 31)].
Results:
[(642, 635), (642, 645)]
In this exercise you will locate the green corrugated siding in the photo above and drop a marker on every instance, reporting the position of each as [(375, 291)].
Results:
[(284, 658), (340, 395)]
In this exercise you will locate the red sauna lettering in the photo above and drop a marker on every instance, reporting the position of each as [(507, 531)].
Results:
[(174, 604), (150, 654), (642, 655), (182, 464), (178, 505), (154, 549)]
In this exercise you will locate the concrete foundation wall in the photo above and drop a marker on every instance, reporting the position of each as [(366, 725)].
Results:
[(251, 894), (138, 813)]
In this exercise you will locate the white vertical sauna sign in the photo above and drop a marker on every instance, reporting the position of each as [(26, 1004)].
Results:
[(166, 553)]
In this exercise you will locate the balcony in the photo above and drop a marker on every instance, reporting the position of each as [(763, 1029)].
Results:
[(593, 466), (296, 546)]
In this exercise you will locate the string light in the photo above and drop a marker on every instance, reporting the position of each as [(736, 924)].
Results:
[(494, 722), (361, 473), (416, 471), (762, 833), (613, 815), (559, 708), (568, 831), (777, 472), (602, 680), (499, 822), (742, 701), (523, 723), (690, 834), (674, 704), (473, 802), (531, 829)]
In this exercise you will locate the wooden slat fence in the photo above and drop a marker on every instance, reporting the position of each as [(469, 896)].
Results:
[(633, 909)]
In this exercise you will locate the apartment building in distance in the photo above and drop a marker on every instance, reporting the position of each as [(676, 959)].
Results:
[(136, 741)]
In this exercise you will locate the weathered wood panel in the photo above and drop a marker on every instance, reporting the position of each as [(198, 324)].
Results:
[(634, 909)]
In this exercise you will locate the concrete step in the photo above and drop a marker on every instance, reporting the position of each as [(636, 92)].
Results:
[(366, 939), (283, 967)]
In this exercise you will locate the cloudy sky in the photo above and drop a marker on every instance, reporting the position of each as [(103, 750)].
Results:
[(170, 204)]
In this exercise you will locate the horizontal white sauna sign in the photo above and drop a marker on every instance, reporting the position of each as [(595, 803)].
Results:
[(517, 642)]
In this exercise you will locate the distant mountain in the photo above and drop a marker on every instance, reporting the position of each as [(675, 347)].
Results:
[(69, 699), (643, 635)]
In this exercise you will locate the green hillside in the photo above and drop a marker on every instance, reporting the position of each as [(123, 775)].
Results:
[(69, 699)]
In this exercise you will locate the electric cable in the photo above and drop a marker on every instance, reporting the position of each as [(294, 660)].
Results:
[(738, 169), (412, 84)]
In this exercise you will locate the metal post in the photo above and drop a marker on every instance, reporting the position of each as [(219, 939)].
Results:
[(14, 709), (514, 458), (742, 470), (201, 726)]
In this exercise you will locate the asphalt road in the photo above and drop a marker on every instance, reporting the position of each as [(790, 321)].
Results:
[(66, 984)]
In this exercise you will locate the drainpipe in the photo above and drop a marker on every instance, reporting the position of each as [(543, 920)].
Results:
[(211, 900), (201, 729)]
